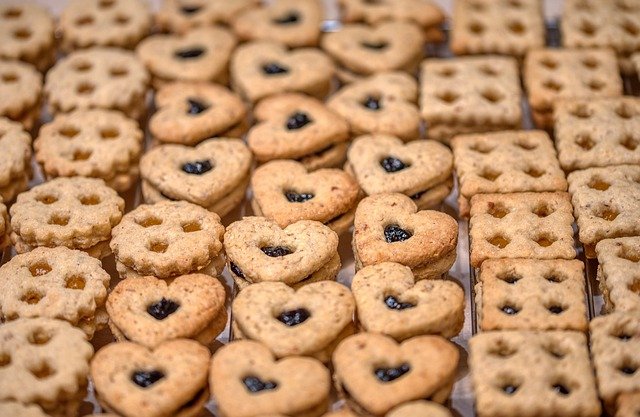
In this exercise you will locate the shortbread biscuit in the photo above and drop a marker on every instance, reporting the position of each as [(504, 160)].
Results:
[(182, 15), (21, 88), (619, 273), (15, 159)]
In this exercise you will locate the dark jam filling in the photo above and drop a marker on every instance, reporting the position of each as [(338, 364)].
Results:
[(162, 309), (276, 251), (274, 68), (294, 197), (287, 19), (294, 317), (376, 46), (393, 303), (197, 167), (237, 271), (253, 384), (392, 164), (394, 233), (145, 379), (196, 106), (391, 374), (298, 120), (372, 103), (189, 53)]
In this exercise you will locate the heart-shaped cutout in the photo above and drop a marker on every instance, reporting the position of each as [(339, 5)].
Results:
[(246, 380), (391, 302), (171, 379), (376, 373)]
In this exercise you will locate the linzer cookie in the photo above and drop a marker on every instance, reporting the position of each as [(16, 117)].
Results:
[(258, 250), (470, 95), (5, 227), (389, 228), (15, 159), (77, 212), (384, 103), (45, 362), (550, 75), (189, 113), (532, 373), (168, 239), (606, 203), (619, 273), (505, 162), (521, 225), (214, 174), (91, 143), (118, 23), (21, 88), (56, 283), (295, 126)]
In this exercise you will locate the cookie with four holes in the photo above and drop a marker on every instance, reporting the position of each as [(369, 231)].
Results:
[(15, 159), (168, 380), (76, 212), (246, 379), (214, 174), (91, 143), (21, 87), (384, 164), (189, 113), (259, 250), (295, 126), (168, 239), (390, 228), (285, 192), (179, 16), (264, 68), (374, 373), (619, 273)]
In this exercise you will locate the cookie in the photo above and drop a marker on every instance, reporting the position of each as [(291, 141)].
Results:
[(521, 225), (606, 203), (149, 311), (383, 103), (200, 55), (532, 374), (505, 162), (295, 126), (258, 250), (628, 404), (285, 192), (15, 159), (375, 373), (5, 227), (21, 87), (13, 408), (619, 273), (91, 143), (294, 23), (420, 407), (170, 379), (551, 75), (44, 362), (168, 239), (117, 23), (77, 212), (419, 169), (214, 174), (27, 34), (391, 302), (179, 16), (389, 228), (264, 68), (189, 113), (104, 78), (470, 95), (246, 380)]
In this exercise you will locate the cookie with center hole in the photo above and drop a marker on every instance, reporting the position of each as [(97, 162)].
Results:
[(15, 159), (21, 86)]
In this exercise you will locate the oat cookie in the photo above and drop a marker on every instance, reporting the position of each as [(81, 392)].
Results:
[(21, 88), (532, 374), (389, 228), (45, 362), (470, 95), (169, 380), (419, 408), (105, 78), (521, 225), (91, 143), (505, 162), (619, 273), (5, 227), (182, 15), (15, 159), (14, 408)]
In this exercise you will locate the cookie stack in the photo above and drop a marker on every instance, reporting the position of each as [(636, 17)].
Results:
[(15, 160)]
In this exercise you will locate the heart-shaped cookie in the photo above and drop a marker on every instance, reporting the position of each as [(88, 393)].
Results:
[(376, 373), (149, 311), (391, 302), (133, 380), (179, 16), (389, 227), (262, 68), (246, 380)]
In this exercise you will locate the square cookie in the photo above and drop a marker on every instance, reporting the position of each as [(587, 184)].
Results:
[(531, 294), (505, 162), (597, 133), (521, 225), (606, 203), (497, 27), (532, 374), (619, 273), (554, 74), (469, 95)]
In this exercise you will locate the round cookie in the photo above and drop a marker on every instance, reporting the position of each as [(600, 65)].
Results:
[(179, 16), (15, 159), (20, 88)]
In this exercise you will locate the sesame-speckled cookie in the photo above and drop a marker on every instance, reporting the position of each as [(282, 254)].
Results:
[(179, 16), (15, 159), (21, 88)]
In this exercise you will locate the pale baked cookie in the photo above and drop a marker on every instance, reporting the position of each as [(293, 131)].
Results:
[(470, 95), (390, 228), (44, 362), (91, 143), (619, 273), (181, 15), (106, 78), (15, 159), (14, 408), (21, 88), (418, 408), (76, 212), (523, 373), (5, 227), (628, 404)]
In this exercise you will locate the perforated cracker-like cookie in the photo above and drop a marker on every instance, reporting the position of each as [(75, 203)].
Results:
[(619, 273)]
